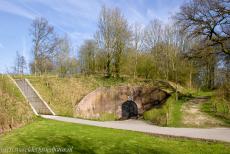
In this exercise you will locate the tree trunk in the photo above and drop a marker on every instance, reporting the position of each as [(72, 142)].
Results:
[(190, 79), (108, 70)]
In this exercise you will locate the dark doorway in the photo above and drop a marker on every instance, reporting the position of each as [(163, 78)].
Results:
[(129, 110)]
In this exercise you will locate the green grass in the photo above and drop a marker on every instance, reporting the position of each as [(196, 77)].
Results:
[(218, 108), (7, 86), (168, 114), (14, 110), (199, 93), (90, 139), (157, 116), (174, 107), (175, 113)]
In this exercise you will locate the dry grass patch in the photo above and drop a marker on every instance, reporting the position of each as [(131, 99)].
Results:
[(14, 110), (62, 94)]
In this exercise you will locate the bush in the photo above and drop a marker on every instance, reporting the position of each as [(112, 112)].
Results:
[(224, 92), (157, 116), (220, 107)]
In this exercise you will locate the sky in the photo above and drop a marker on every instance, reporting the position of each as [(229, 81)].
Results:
[(75, 18)]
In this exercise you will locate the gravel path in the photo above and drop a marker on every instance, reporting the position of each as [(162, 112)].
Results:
[(193, 117), (221, 134)]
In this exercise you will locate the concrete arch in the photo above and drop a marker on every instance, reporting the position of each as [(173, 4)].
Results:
[(129, 110), (109, 100)]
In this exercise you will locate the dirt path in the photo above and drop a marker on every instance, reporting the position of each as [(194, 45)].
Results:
[(221, 134), (193, 117)]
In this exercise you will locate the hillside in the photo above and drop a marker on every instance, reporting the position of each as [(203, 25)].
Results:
[(62, 94), (14, 110)]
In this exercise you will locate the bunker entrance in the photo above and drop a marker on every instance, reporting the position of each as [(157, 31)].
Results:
[(129, 110)]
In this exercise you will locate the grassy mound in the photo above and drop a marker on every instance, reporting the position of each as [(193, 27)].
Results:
[(51, 134), (14, 110), (168, 114), (62, 94)]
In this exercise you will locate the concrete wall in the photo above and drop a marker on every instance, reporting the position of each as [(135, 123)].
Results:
[(109, 100)]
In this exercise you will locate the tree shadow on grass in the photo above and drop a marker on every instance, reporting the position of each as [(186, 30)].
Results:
[(85, 146), (65, 142)]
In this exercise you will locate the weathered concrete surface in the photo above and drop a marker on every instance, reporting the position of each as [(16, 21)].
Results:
[(110, 100), (220, 134), (38, 105)]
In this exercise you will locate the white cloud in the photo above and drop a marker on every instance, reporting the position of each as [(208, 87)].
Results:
[(8, 7), (66, 15), (73, 9), (153, 15), (136, 16)]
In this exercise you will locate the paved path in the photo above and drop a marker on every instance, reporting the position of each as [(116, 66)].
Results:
[(221, 134)]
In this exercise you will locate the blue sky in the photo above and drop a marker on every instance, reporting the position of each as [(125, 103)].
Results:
[(76, 18)]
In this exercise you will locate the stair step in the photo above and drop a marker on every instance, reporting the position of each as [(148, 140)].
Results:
[(33, 98)]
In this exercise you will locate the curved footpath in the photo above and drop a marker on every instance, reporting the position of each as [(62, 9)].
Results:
[(220, 134)]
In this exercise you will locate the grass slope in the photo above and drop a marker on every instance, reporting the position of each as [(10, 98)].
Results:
[(168, 114), (14, 110), (175, 113), (62, 94), (90, 139), (219, 109)]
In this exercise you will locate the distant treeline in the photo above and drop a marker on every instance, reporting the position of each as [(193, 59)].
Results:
[(193, 50)]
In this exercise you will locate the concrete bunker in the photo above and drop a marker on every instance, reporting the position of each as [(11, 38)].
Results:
[(122, 102)]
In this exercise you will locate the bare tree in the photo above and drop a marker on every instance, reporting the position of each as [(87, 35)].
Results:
[(62, 56), (209, 19), (44, 43), (137, 39), (87, 56), (122, 37), (111, 36), (20, 64), (153, 34), (105, 37)]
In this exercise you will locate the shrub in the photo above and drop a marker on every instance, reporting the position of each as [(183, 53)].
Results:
[(157, 116), (220, 107)]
